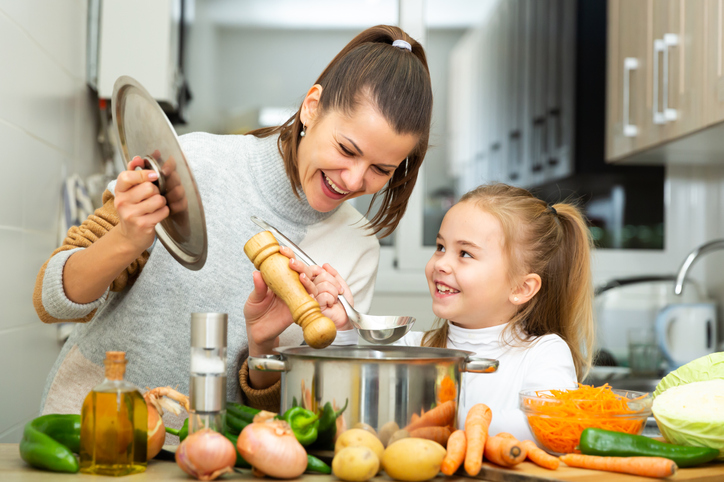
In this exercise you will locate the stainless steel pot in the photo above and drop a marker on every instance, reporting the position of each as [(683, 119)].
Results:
[(381, 383)]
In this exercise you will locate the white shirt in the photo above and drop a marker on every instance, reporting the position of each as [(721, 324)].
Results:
[(545, 363)]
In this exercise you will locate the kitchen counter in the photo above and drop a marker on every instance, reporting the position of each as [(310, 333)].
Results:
[(14, 469)]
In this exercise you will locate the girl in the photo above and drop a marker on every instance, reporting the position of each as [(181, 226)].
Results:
[(510, 280)]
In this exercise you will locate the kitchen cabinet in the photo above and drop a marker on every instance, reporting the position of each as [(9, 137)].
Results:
[(523, 132), (663, 78), (629, 127)]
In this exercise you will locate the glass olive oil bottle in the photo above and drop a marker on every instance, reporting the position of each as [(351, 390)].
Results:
[(114, 424)]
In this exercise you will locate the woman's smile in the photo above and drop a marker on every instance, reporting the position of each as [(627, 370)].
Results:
[(332, 189)]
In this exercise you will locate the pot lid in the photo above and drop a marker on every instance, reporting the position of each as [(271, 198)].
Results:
[(144, 130)]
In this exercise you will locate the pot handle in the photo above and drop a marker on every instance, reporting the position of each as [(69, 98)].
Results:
[(267, 363), (480, 365)]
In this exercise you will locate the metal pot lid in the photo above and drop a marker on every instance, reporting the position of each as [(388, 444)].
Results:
[(144, 130), (374, 352)]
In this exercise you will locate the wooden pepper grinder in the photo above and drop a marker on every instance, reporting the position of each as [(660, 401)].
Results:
[(263, 250)]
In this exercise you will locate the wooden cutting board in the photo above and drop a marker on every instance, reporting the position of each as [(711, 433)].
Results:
[(528, 472)]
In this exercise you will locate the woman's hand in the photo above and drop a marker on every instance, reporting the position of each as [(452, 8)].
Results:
[(266, 318), (140, 206)]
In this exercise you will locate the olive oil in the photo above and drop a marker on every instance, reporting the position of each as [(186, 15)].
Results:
[(114, 424)]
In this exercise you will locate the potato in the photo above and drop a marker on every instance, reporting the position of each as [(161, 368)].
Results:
[(357, 437), (365, 426), (386, 432), (413, 459), (355, 464), (399, 435)]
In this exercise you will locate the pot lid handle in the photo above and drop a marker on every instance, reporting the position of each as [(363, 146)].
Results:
[(143, 130), (480, 365)]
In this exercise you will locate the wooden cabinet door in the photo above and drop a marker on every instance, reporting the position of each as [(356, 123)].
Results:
[(682, 36), (714, 87), (629, 115)]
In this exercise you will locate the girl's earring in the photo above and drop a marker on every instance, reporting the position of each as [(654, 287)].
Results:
[(515, 298), (303, 133)]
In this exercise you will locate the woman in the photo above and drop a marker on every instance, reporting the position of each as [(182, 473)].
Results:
[(362, 128)]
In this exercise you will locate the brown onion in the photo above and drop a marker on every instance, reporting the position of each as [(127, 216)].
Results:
[(271, 448), (206, 455), (156, 432)]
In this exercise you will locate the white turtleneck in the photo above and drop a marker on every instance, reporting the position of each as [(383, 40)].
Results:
[(544, 363)]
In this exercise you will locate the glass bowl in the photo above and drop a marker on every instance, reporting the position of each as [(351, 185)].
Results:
[(557, 424)]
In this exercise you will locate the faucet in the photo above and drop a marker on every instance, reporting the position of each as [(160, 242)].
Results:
[(691, 258)]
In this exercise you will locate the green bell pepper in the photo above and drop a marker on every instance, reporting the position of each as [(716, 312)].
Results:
[(316, 465), (304, 424), (50, 441), (328, 425), (596, 441)]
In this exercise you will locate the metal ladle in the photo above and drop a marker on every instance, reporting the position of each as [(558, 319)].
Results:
[(374, 329)]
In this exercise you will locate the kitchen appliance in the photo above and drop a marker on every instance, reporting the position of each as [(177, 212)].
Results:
[(380, 384), (686, 331), (207, 383), (143, 130), (634, 303), (374, 329)]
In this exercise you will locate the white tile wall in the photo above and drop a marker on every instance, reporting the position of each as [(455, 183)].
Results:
[(47, 129)]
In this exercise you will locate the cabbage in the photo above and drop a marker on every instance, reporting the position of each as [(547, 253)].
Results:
[(689, 404)]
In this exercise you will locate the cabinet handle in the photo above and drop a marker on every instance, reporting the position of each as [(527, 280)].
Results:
[(670, 40), (629, 64), (513, 155), (661, 46)]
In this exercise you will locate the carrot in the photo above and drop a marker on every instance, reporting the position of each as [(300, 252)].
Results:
[(447, 390), (439, 416), (477, 424), (642, 466), (436, 434), (559, 418), (539, 456), (504, 449), (456, 445), (414, 418)]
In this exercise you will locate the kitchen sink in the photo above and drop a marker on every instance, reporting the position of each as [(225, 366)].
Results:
[(635, 383)]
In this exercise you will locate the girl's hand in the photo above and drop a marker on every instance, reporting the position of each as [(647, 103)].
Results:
[(325, 284), (140, 206)]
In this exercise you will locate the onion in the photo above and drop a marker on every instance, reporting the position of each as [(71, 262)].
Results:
[(156, 432), (272, 449), (206, 455)]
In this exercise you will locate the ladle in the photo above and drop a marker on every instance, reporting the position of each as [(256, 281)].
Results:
[(374, 329)]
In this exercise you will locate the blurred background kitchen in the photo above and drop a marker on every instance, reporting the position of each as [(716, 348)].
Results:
[(618, 104)]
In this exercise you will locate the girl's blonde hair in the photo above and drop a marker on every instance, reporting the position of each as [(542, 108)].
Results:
[(554, 242)]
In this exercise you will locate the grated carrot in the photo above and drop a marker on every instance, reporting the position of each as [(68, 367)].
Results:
[(561, 415)]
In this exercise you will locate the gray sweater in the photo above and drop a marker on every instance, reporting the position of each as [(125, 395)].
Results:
[(237, 176)]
